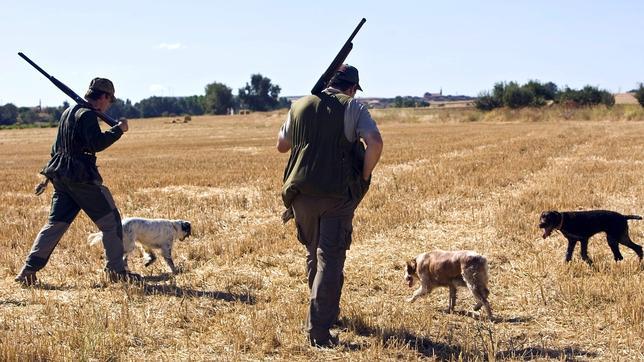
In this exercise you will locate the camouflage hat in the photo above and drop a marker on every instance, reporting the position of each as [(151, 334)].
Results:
[(102, 85), (347, 73)]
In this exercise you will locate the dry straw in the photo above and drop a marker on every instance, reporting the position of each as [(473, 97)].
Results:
[(443, 182)]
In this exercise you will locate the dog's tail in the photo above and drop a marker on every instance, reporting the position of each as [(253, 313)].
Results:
[(95, 238), (633, 217)]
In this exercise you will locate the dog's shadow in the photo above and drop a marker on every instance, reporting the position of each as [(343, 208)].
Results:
[(495, 319), (181, 292)]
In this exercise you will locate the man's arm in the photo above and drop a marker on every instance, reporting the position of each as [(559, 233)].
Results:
[(283, 137), (373, 140), (95, 139), (283, 145)]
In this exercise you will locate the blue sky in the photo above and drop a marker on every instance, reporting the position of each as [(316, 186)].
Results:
[(175, 48)]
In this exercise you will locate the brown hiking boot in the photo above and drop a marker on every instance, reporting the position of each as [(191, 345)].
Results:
[(124, 277), (26, 277)]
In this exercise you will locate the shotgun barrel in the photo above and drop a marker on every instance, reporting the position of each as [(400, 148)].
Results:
[(70, 93), (337, 61)]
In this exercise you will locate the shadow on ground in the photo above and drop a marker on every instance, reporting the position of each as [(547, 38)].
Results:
[(175, 291), (13, 302), (423, 345), (532, 353)]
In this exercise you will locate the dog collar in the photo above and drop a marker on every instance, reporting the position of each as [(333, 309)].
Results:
[(560, 223)]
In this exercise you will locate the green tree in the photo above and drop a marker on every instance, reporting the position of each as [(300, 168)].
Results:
[(260, 94), (517, 97), (8, 114), (27, 115), (542, 92), (219, 98), (587, 96), (639, 94), (123, 109), (487, 102)]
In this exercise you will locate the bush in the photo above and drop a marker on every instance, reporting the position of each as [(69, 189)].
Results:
[(487, 102), (587, 96), (517, 97), (608, 99), (639, 94)]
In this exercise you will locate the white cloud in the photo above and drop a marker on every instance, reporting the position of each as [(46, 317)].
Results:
[(172, 46), (158, 89)]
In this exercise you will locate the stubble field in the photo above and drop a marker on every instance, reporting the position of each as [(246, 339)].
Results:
[(443, 182)]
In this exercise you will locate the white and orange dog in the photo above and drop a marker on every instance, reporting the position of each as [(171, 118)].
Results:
[(150, 234), (450, 269)]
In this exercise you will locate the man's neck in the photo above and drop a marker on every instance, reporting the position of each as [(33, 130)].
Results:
[(345, 92)]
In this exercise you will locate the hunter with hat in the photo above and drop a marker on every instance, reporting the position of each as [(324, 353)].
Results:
[(78, 185), (327, 174)]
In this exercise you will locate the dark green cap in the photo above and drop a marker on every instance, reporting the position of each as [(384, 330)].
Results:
[(347, 73)]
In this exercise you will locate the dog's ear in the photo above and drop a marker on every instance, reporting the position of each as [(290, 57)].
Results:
[(186, 227), (411, 266)]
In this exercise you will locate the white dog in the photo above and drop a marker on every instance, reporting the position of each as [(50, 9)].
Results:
[(150, 234)]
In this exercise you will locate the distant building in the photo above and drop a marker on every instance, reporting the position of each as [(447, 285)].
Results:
[(439, 97)]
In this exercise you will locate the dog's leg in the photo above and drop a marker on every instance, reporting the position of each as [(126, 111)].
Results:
[(149, 257), (422, 290), (167, 256), (626, 241), (584, 251), (476, 281), (614, 247), (127, 269), (481, 293), (571, 248), (488, 309), (452, 299)]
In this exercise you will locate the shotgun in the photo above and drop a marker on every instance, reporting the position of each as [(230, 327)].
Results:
[(337, 62), (82, 102)]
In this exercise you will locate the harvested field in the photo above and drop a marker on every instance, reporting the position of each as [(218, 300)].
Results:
[(447, 179)]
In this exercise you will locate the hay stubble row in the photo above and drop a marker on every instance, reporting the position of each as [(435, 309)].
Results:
[(242, 295)]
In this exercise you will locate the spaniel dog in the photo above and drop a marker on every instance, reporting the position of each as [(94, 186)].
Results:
[(450, 269), (150, 234)]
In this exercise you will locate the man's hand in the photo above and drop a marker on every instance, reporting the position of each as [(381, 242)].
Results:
[(123, 124)]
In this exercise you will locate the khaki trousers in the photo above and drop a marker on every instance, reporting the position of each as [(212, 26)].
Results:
[(324, 226)]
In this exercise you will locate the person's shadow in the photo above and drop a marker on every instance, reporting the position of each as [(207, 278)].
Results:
[(423, 345)]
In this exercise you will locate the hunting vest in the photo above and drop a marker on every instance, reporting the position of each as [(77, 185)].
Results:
[(322, 161), (70, 161)]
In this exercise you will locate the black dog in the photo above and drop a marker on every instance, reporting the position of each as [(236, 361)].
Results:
[(581, 225)]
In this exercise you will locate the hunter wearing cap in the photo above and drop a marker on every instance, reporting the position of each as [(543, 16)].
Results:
[(79, 186), (327, 174)]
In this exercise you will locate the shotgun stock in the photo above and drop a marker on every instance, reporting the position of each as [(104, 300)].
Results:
[(109, 120)]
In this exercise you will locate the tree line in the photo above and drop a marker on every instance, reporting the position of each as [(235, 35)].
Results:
[(260, 94), (537, 94)]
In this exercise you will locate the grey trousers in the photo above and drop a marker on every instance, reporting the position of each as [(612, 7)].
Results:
[(324, 225), (68, 199)]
